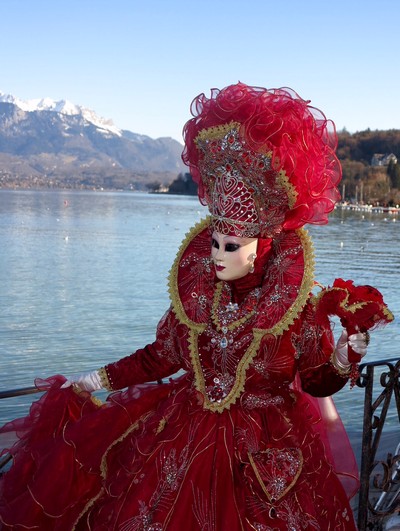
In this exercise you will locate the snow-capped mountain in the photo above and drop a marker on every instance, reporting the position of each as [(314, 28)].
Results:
[(61, 140), (61, 107)]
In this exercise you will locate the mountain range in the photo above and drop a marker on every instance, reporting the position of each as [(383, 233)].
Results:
[(59, 144)]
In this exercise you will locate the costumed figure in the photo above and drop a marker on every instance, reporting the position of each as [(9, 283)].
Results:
[(237, 441)]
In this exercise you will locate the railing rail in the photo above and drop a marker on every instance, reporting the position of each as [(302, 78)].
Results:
[(20, 392)]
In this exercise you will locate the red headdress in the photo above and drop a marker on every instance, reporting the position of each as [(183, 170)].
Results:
[(264, 160)]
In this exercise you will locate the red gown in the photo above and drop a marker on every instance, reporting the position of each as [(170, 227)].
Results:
[(233, 443)]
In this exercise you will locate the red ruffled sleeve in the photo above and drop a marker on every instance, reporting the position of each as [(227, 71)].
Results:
[(323, 381), (153, 362), (360, 308), (314, 344)]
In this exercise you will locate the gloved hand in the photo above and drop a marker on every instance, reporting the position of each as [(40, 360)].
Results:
[(89, 381), (358, 342)]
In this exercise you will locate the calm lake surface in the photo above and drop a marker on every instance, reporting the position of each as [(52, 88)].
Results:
[(83, 279)]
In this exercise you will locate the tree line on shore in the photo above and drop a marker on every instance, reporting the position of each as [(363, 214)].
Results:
[(362, 181)]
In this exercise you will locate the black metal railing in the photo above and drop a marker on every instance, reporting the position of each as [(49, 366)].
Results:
[(19, 392), (379, 495), (5, 459)]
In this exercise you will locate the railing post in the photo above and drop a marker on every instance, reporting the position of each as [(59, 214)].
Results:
[(366, 381)]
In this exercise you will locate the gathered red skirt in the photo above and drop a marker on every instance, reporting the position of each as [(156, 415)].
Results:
[(152, 458)]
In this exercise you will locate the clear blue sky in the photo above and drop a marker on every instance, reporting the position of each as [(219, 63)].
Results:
[(141, 63)]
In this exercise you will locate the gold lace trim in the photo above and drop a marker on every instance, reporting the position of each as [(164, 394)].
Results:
[(89, 504), (104, 379), (283, 180), (173, 290), (262, 484), (351, 307), (216, 132), (133, 427), (197, 328), (103, 464)]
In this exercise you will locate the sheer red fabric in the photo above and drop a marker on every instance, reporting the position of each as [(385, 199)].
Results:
[(139, 463), (336, 442)]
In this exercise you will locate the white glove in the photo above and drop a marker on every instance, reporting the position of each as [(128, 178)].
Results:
[(89, 381), (358, 342)]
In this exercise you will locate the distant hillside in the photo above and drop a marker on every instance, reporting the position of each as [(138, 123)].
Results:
[(363, 181), (363, 145), (67, 146)]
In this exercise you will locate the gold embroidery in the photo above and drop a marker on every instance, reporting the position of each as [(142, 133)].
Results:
[(240, 378), (294, 456), (177, 305), (103, 464), (79, 391), (304, 291), (342, 370), (214, 316), (161, 426), (283, 181)]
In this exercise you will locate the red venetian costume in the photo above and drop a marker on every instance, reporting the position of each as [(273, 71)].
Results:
[(236, 442)]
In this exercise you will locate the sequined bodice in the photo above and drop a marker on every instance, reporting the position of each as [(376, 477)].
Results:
[(227, 336)]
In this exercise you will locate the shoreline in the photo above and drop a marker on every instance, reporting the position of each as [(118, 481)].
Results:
[(357, 207)]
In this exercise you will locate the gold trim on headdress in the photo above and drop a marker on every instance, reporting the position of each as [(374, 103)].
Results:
[(246, 196), (216, 132), (283, 181)]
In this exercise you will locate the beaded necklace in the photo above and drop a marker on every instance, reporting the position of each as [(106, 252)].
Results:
[(228, 316)]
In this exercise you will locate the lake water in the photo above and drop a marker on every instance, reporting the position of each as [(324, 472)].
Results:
[(83, 279)]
